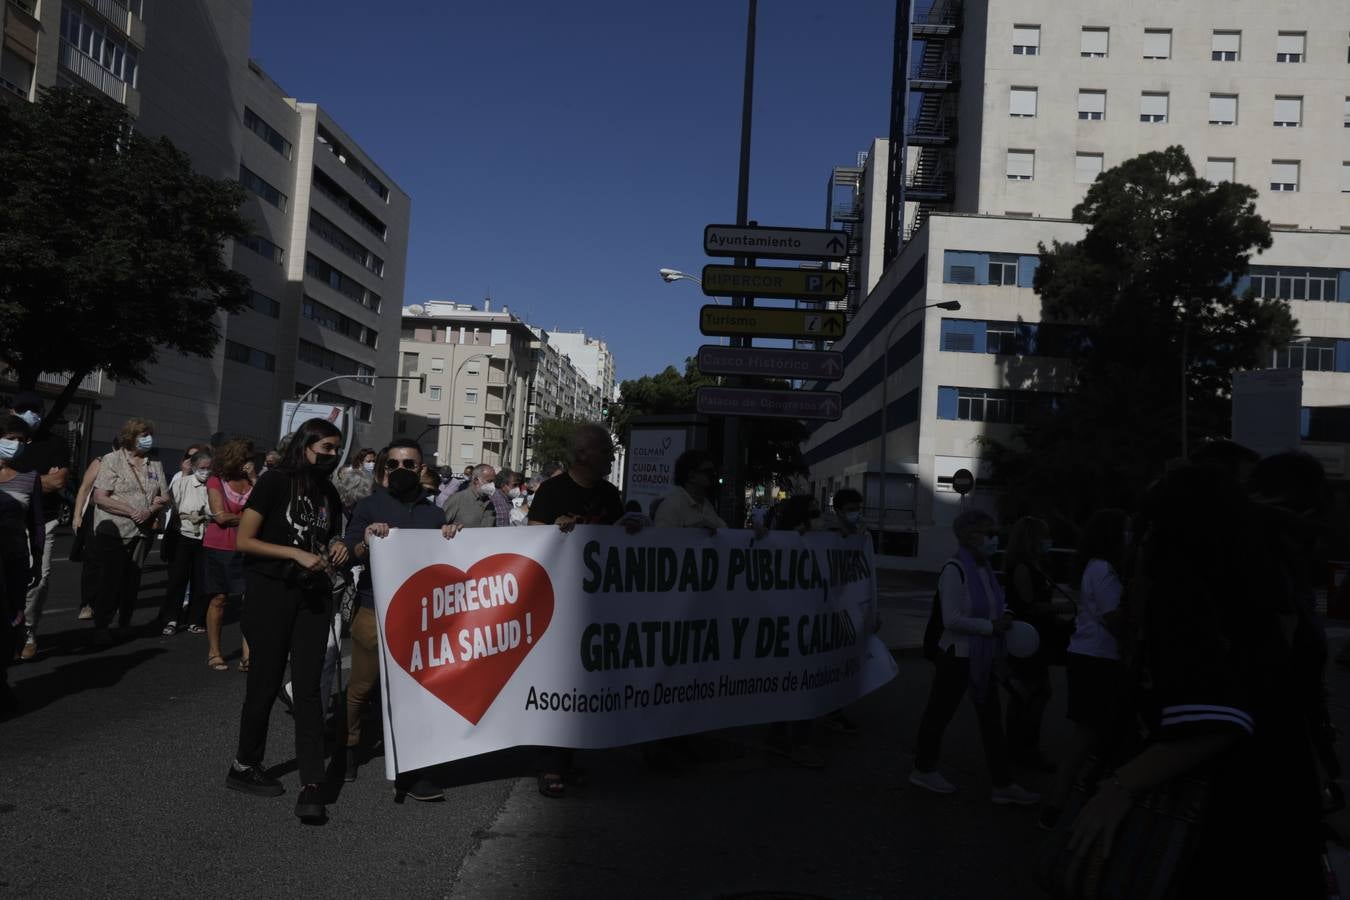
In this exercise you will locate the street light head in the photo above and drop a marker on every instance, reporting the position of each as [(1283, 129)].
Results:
[(949, 304), (669, 275)]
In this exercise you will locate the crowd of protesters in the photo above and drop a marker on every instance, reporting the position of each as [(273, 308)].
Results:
[(1188, 630)]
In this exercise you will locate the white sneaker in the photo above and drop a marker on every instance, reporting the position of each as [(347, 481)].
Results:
[(1014, 795), (932, 781)]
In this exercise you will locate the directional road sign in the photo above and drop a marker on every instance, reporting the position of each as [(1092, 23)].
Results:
[(761, 321), (775, 243), (790, 284), (772, 362), (719, 401)]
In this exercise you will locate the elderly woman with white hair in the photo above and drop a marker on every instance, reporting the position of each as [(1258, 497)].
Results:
[(974, 620)]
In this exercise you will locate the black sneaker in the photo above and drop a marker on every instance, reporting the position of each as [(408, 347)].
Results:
[(252, 780), (425, 790), (349, 770), (309, 805)]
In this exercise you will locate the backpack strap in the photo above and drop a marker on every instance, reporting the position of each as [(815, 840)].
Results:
[(960, 569)]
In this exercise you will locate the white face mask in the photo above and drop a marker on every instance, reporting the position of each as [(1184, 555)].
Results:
[(32, 418), (145, 442), (518, 502), (487, 490), (202, 475), (514, 493), (10, 448), (368, 466)]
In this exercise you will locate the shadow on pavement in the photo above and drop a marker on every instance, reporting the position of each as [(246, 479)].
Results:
[(90, 672)]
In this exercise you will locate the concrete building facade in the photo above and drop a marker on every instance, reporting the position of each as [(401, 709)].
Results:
[(1008, 113), (327, 261)]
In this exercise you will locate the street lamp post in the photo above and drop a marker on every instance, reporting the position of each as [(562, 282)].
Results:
[(290, 420), (453, 378), (885, 412), (670, 276)]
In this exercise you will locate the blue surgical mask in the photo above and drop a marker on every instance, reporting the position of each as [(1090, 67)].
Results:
[(10, 448), (145, 442), (368, 466), (34, 419), (990, 545), (853, 518)]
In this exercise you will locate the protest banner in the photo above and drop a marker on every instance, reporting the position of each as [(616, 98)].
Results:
[(526, 636)]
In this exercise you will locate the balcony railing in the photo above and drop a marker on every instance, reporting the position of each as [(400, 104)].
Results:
[(92, 383), (115, 12), (92, 72)]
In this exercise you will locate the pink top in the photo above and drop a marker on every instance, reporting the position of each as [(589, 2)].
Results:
[(218, 538)]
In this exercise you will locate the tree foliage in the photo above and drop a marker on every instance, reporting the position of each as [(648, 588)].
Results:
[(111, 246), (772, 446), (1150, 284), (553, 442)]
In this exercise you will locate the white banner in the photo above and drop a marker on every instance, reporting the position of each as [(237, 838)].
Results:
[(527, 636)]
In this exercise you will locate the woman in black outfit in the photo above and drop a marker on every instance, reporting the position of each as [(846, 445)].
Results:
[(288, 535)]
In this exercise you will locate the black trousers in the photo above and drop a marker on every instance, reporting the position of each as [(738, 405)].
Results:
[(282, 622), (13, 593), (119, 576), (184, 569), (951, 682)]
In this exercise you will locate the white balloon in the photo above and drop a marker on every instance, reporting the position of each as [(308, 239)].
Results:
[(1022, 640)]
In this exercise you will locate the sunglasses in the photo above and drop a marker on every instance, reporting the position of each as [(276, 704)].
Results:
[(392, 464)]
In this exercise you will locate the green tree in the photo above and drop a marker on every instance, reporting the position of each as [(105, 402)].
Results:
[(772, 445), (1149, 297), (552, 442), (111, 246)]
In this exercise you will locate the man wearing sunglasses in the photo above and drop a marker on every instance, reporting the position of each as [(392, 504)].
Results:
[(400, 501)]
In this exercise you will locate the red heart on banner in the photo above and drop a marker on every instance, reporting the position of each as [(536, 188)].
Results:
[(462, 635)]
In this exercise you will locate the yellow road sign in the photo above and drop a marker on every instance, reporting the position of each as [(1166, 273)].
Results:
[(791, 284), (756, 321)]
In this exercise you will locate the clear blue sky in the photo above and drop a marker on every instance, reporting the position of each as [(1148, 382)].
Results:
[(558, 154)]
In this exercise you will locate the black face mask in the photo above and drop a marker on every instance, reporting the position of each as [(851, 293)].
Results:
[(404, 485), (326, 464)]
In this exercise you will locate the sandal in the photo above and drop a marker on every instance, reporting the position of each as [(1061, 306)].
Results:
[(551, 785), (217, 662), (243, 664), (196, 629), (169, 630)]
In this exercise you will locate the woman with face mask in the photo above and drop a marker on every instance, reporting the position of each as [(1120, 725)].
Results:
[(191, 515), (130, 494), (22, 534), (974, 621), (289, 534)]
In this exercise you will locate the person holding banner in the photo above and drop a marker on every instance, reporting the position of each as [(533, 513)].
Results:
[(974, 621), (399, 501), (578, 496), (289, 535)]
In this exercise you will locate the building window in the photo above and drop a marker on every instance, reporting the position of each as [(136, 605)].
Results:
[(1022, 103), (1157, 43), (979, 405), (254, 123), (342, 283), (16, 73), (1152, 107), (255, 183), (1217, 170), (324, 358), (472, 368), (1086, 167), (469, 421), (437, 365), (1345, 113), (88, 35), (1284, 175), (471, 397), (1092, 105), (466, 451), (1003, 272), (1021, 165), (1290, 46), (962, 275), (335, 192), (344, 243), (1093, 42), (965, 267), (263, 247), (1299, 284), (348, 159), (264, 304), (1314, 355), (241, 353), (434, 392), (329, 318), (1223, 109), (1345, 178), (1288, 112), (1026, 40), (1224, 46)]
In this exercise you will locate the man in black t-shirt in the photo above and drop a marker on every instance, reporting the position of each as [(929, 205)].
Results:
[(581, 496), (48, 457)]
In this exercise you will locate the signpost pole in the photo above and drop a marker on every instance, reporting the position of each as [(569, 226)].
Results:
[(733, 452)]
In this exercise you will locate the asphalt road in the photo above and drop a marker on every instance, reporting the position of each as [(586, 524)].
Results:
[(111, 785)]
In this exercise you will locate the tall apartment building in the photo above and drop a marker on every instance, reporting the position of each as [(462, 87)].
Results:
[(327, 261), (491, 378), (590, 356), (1003, 114)]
